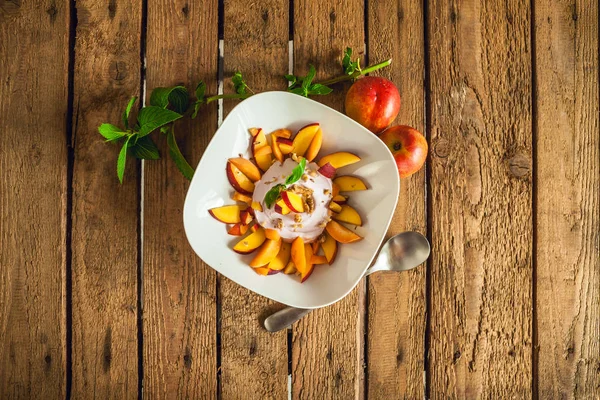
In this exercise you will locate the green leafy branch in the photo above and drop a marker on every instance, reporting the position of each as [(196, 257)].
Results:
[(170, 104)]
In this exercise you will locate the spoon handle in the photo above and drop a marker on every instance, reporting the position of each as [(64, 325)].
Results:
[(284, 318)]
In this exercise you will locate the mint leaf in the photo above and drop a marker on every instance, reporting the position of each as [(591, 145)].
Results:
[(121, 160), (347, 60), (300, 91), (239, 83), (272, 195), (200, 91), (309, 77), (111, 132), (297, 172), (291, 79), (153, 117), (125, 115), (175, 97), (145, 149), (317, 88), (179, 159)]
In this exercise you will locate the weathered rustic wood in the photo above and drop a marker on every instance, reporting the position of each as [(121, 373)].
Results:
[(327, 352), (481, 222), (253, 361), (568, 199), (396, 319), (33, 194), (179, 290), (104, 266)]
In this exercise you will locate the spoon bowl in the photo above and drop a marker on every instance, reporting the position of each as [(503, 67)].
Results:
[(401, 252)]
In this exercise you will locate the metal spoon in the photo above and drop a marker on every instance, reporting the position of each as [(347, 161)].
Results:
[(402, 252)]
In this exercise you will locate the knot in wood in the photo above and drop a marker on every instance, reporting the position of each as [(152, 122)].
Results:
[(118, 70), (442, 148), (520, 165)]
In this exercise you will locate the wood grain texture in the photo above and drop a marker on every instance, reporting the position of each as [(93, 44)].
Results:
[(396, 314), (568, 199), (253, 361), (33, 195), (481, 265), (180, 341), (327, 352), (104, 266)]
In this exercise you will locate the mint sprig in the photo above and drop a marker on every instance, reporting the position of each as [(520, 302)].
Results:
[(306, 87), (273, 193)]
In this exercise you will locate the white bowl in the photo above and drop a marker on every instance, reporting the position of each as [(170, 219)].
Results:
[(210, 188)]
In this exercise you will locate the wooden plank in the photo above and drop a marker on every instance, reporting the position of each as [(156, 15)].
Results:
[(105, 213), (253, 361), (568, 198), (34, 62), (327, 352), (180, 341), (481, 222), (396, 315)]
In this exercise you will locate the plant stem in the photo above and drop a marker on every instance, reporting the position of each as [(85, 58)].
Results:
[(356, 74), (228, 96)]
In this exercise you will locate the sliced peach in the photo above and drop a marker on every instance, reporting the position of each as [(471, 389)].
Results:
[(335, 189), (335, 207), (227, 214), (276, 150), (282, 208), (293, 201), (254, 131), (304, 274), (283, 257), (238, 229), (251, 242), (246, 216), (267, 253), (340, 199), (254, 227), (262, 270), (304, 137), (315, 246), (272, 234), (256, 206), (318, 259), (263, 151), (247, 168), (238, 180), (282, 133), (341, 234), (290, 268), (349, 183), (237, 196), (349, 215), (339, 159), (329, 248), (298, 254), (285, 145), (327, 171), (315, 146), (279, 133)]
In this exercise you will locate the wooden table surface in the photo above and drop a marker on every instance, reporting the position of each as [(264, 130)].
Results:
[(101, 295)]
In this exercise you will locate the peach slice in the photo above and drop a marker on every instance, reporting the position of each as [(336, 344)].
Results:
[(273, 272), (283, 257), (272, 234), (263, 151), (315, 146), (327, 171), (279, 133), (335, 207), (262, 270), (298, 254), (251, 242), (304, 274), (290, 268), (246, 217), (318, 259), (238, 180), (293, 201), (285, 145), (237, 196), (340, 199), (315, 246), (349, 183), (282, 133), (341, 234), (282, 208), (255, 227), (256, 206), (339, 159), (304, 137), (247, 168), (227, 214), (349, 215), (329, 248), (238, 229), (254, 131), (267, 253)]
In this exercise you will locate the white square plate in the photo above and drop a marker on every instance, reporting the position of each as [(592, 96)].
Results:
[(210, 188)]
